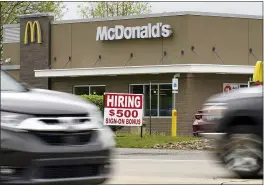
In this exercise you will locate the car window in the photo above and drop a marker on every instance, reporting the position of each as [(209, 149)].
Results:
[(8, 83)]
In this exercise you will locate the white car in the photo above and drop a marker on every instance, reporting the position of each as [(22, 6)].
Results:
[(51, 137)]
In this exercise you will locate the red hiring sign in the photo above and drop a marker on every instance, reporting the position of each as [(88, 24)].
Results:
[(123, 109)]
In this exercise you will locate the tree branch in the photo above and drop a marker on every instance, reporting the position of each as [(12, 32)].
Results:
[(10, 12)]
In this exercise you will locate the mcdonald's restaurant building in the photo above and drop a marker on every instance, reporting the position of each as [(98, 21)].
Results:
[(127, 54)]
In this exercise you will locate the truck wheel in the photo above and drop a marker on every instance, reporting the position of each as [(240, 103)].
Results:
[(243, 152)]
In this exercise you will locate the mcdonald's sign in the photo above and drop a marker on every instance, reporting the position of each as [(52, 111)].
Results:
[(35, 32)]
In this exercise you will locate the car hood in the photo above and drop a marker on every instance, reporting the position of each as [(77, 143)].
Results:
[(45, 102), (238, 94)]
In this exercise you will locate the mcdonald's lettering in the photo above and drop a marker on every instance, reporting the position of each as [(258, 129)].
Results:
[(35, 32)]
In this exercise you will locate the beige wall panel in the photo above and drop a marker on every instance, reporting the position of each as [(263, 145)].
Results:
[(256, 40), (114, 53), (228, 35), (177, 42), (12, 51), (61, 45)]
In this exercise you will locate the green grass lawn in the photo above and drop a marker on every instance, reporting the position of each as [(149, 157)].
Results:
[(124, 140)]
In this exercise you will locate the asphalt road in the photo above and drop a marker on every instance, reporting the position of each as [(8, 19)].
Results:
[(145, 166)]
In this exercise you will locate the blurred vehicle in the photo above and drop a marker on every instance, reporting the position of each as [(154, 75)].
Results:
[(50, 137), (200, 125), (238, 117)]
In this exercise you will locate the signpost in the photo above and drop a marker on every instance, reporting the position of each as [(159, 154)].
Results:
[(175, 88), (123, 109)]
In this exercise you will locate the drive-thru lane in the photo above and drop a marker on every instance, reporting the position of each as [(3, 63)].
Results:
[(141, 166)]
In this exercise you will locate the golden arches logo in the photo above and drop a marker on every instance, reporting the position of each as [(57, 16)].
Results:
[(32, 27), (258, 72)]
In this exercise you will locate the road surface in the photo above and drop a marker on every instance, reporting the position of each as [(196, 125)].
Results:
[(145, 166)]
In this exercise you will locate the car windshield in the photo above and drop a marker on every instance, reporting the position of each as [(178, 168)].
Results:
[(10, 84)]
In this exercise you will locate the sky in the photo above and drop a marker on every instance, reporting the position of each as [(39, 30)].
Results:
[(250, 8)]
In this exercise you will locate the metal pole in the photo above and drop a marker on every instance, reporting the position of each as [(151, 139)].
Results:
[(174, 111), (174, 101), (149, 107), (176, 118), (141, 131), (174, 98)]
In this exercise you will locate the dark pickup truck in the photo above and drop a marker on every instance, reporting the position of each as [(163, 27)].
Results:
[(238, 133)]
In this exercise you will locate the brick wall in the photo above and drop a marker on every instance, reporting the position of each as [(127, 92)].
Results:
[(33, 55)]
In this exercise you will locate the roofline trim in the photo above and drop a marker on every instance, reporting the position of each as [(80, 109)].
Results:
[(11, 42), (180, 13), (150, 69), (46, 14), (11, 26), (10, 67)]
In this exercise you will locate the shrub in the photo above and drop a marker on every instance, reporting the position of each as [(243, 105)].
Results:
[(98, 100)]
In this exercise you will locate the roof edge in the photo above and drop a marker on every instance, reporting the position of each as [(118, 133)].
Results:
[(149, 66), (10, 67), (180, 13), (47, 14), (154, 69), (11, 26)]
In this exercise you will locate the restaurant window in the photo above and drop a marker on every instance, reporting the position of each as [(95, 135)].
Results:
[(153, 97), (97, 90), (160, 96), (137, 89), (89, 89), (165, 100)]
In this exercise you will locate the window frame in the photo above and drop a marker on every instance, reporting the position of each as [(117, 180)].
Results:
[(87, 86), (158, 99)]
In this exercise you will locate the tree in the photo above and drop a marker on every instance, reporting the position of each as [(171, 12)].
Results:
[(112, 9), (11, 10)]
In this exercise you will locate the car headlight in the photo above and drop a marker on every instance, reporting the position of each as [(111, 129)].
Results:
[(96, 117), (105, 134), (213, 111), (12, 120)]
